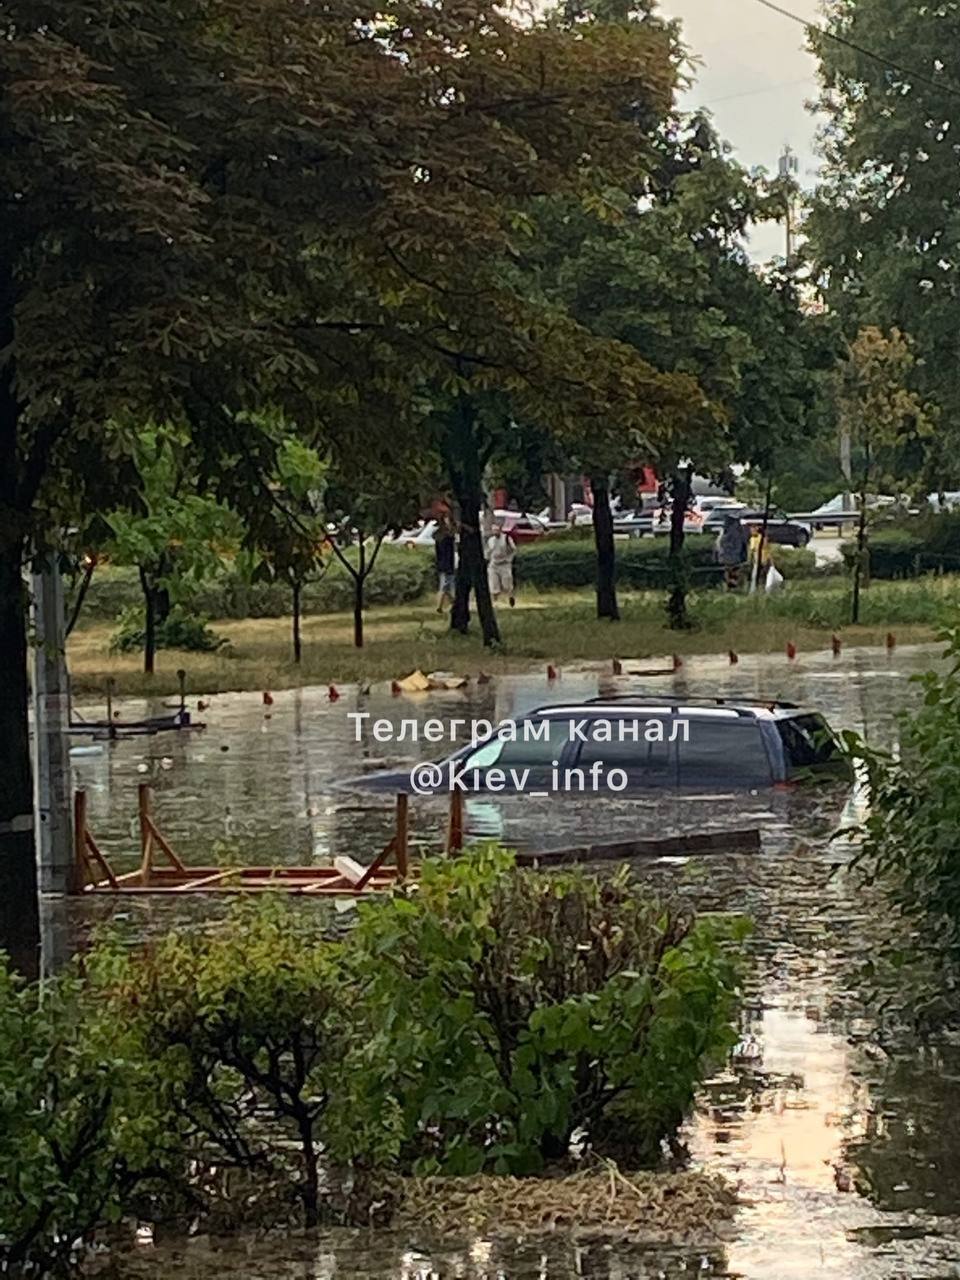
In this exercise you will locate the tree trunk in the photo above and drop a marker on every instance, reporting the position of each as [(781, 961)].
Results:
[(297, 647), (19, 907), (149, 623), (359, 581), (677, 601), (19, 918), (606, 550), (358, 584), (861, 543)]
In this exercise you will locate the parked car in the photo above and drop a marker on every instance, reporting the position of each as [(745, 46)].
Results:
[(727, 745), (781, 530), (521, 526), (662, 516), (420, 535), (634, 525)]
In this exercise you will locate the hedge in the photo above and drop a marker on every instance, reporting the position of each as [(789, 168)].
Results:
[(400, 575), (642, 563), (929, 544), (406, 574)]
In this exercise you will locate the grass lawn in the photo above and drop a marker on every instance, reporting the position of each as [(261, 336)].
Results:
[(558, 627)]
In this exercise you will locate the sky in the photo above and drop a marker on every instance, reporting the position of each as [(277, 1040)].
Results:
[(754, 76)]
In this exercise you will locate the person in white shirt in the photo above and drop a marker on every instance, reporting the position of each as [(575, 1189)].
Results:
[(501, 550)]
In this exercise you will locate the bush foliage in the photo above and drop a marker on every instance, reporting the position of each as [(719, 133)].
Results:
[(87, 1132), (926, 544), (473, 1024), (178, 631), (405, 574), (512, 1009), (911, 846), (401, 575)]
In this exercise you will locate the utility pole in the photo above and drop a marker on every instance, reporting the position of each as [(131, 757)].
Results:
[(788, 166), (51, 698)]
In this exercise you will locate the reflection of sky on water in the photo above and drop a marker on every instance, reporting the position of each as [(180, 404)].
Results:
[(848, 1165)]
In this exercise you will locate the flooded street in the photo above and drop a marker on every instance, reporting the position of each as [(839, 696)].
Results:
[(848, 1163)]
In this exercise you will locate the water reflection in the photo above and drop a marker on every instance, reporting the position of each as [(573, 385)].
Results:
[(363, 1256)]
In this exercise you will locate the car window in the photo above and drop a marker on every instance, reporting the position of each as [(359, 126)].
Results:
[(807, 741), (647, 764), (723, 753), (525, 752)]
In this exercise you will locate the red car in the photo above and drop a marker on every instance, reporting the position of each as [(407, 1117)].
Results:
[(520, 526)]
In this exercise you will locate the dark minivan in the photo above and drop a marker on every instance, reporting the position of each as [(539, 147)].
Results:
[(684, 744)]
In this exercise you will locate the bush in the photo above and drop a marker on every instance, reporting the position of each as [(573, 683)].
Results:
[(927, 544), (912, 833), (253, 1027), (85, 1127), (910, 848), (401, 575), (507, 1009), (642, 563), (471, 1024), (178, 631)]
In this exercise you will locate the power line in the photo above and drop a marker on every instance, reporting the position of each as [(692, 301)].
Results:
[(918, 76), (769, 88)]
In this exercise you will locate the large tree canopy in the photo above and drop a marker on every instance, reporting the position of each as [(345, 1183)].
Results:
[(222, 207), (885, 227)]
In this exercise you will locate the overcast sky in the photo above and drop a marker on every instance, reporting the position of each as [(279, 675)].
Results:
[(754, 76)]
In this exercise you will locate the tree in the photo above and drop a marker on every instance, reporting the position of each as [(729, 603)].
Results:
[(664, 270), (169, 529), (884, 230), (186, 238), (287, 530), (363, 503), (879, 413)]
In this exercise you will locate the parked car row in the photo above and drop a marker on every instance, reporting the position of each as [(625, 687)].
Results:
[(708, 517)]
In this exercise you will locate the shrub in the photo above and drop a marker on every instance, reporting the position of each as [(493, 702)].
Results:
[(401, 575), (908, 853), (85, 1127), (508, 1008), (642, 563), (178, 631), (252, 1025), (927, 544), (912, 832)]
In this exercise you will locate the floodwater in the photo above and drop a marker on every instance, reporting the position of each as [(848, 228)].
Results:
[(848, 1162)]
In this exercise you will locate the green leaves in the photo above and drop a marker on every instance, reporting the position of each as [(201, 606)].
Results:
[(909, 849), (534, 1005)]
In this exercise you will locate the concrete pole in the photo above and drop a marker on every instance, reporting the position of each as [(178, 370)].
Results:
[(52, 779)]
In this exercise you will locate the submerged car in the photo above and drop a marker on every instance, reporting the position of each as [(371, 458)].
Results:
[(648, 742)]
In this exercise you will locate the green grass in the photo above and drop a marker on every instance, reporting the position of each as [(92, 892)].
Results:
[(558, 627)]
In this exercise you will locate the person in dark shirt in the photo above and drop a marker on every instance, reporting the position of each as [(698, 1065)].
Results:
[(444, 547)]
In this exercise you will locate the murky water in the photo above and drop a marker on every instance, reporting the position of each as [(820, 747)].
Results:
[(847, 1163)]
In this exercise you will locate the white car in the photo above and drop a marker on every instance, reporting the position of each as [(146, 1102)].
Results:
[(422, 535)]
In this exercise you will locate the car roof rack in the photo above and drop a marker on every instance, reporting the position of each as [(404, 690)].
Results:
[(744, 704)]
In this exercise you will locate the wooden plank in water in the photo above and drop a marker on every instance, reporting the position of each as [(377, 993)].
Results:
[(668, 846)]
